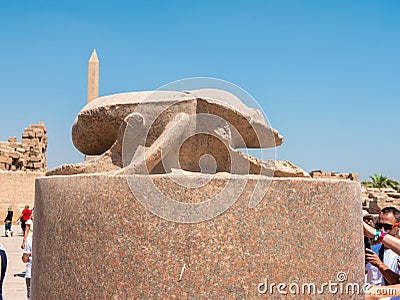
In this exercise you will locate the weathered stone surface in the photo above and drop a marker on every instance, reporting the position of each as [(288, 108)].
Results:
[(393, 195), (334, 175), (96, 128), (286, 169), (15, 155), (374, 199), (17, 188), (143, 132), (28, 155), (20, 150), (7, 160), (93, 77), (224, 258)]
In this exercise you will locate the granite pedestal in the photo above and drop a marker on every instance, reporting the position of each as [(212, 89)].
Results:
[(94, 240)]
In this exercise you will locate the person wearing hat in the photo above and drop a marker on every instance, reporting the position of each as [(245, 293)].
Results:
[(8, 222)]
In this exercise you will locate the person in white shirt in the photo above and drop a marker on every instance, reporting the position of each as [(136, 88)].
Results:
[(27, 258), (382, 268)]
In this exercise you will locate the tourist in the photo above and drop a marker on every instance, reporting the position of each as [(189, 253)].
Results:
[(380, 260), (8, 222), (28, 231), (3, 268), (25, 216), (27, 258), (391, 242)]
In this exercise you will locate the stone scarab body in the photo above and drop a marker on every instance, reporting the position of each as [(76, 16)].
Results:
[(158, 131)]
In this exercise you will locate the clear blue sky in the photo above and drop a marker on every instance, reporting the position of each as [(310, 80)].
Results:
[(326, 73)]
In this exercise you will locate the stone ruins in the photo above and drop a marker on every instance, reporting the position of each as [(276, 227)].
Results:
[(374, 199), (20, 164), (29, 155), (334, 175)]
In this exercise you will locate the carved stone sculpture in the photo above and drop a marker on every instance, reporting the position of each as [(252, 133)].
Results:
[(204, 224), (157, 132)]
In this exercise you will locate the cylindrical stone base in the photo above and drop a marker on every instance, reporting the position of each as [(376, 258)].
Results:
[(94, 240)]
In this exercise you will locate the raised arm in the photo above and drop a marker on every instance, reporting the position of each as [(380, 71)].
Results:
[(391, 276), (379, 292), (389, 241)]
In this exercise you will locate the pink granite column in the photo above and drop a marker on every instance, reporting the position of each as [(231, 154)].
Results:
[(94, 240)]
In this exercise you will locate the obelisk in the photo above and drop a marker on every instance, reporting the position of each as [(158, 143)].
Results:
[(93, 77), (93, 84)]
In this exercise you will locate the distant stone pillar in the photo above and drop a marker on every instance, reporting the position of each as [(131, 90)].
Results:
[(93, 77), (93, 84)]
